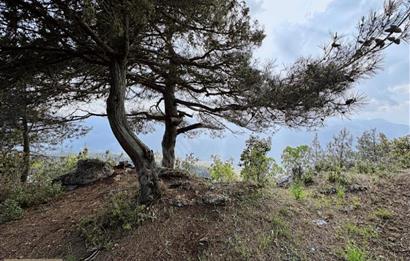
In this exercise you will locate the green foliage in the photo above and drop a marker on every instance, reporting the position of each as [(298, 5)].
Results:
[(10, 210), (256, 165), (10, 172), (401, 151), (307, 178), (340, 151), (297, 191), (28, 195), (222, 171), (366, 232), (354, 253), (296, 160), (188, 164), (338, 177), (340, 192), (383, 213), (121, 214), (365, 167)]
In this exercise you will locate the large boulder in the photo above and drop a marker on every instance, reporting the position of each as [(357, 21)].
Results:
[(88, 171)]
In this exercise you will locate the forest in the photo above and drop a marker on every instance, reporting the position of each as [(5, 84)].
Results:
[(189, 69)]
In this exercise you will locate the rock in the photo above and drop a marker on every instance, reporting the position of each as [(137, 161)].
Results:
[(284, 181), (178, 183), (320, 222), (88, 171), (356, 188), (328, 191), (211, 198), (180, 202), (124, 165)]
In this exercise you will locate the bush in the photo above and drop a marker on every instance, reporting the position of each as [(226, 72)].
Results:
[(257, 166), (10, 210), (10, 172), (296, 160), (354, 253), (307, 179), (401, 151), (222, 171), (28, 195), (365, 167), (297, 191), (121, 214), (337, 177), (188, 164)]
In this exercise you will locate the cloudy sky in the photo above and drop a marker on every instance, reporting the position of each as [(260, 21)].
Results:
[(297, 28)]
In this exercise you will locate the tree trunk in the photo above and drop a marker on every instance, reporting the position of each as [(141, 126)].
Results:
[(26, 150), (139, 153), (171, 123)]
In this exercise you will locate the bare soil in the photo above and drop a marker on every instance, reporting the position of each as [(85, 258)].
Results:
[(255, 224)]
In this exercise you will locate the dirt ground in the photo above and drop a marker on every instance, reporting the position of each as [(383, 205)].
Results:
[(254, 224)]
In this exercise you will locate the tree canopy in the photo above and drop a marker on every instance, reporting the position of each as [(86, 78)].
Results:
[(186, 64)]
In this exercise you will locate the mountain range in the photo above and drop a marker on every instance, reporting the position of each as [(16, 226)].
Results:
[(230, 146)]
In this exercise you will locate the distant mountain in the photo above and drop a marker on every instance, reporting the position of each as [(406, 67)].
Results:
[(100, 138)]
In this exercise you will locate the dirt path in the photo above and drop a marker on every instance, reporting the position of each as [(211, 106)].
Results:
[(49, 230)]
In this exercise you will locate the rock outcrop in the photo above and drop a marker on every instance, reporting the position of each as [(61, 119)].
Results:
[(88, 171)]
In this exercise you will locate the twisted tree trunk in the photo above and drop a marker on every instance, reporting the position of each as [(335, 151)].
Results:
[(171, 123), (139, 153)]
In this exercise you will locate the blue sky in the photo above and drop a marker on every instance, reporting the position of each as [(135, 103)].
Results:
[(296, 28)]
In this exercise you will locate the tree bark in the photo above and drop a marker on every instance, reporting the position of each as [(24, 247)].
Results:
[(139, 153), (26, 150), (170, 134)]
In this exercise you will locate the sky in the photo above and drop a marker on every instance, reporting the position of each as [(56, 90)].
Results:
[(296, 28)]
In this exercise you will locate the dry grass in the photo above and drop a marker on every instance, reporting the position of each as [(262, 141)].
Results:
[(255, 224)]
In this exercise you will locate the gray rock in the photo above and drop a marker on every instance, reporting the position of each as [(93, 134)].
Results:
[(211, 198), (328, 191), (356, 188), (284, 181), (320, 222), (88, 171)]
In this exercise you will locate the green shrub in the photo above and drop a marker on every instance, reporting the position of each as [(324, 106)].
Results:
[(401, 151), (340, 192), (10, 172), (296, 160), (10, 210), (297, 191), (188, 164), (256, 165), (28, 195), (365, 167), (121, 214), (222, 171), (354, 253), (337, 177), (307, 178)]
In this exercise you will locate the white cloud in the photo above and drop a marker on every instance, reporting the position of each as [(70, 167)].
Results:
[(297, 28)]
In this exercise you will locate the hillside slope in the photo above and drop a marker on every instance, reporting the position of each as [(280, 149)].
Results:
[(253, 224)]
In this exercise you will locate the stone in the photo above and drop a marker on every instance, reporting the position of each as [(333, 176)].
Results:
[(88, 171), (356, 188), (215, 199), (284, 181), (124, 165), (328, 191), (180, 202), (320, 222)]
